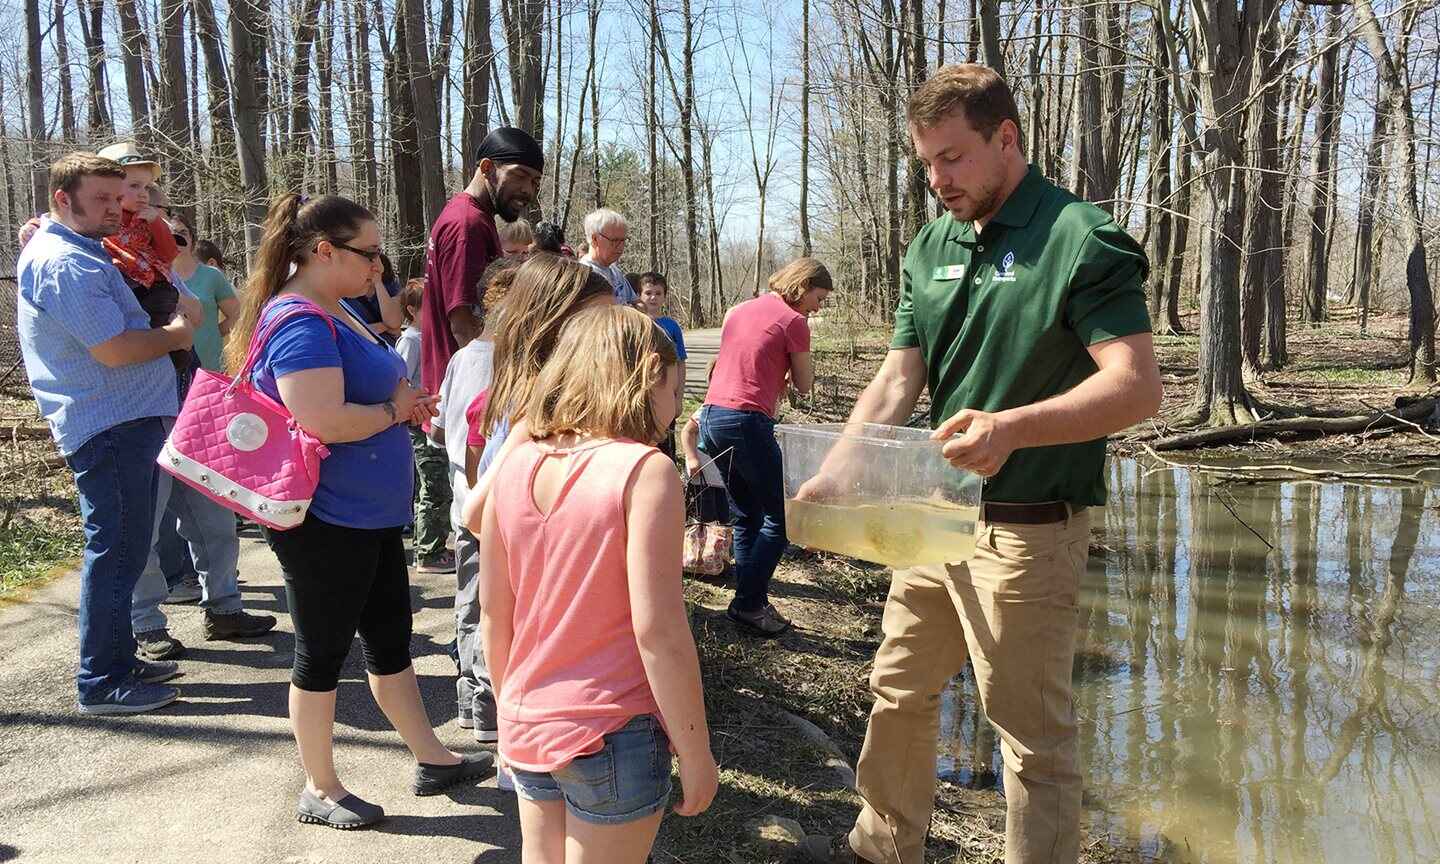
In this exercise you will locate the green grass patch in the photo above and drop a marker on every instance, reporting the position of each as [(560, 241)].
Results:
[(1352, 375), (31, 551)]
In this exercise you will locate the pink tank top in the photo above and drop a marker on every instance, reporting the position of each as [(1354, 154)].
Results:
[(574, 673)]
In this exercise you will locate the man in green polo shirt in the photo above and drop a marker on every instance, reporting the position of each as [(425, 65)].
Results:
[(1022, 310)]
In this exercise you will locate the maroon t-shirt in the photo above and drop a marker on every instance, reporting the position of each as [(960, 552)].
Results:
[(462, 244)]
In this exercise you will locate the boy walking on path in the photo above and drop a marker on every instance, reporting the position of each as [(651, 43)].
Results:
[(1022, 310)]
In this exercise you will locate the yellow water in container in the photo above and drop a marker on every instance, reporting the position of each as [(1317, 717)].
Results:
[(900, 533)]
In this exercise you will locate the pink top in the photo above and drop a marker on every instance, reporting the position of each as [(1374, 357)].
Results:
[(574, 673), (474, 413), (755, 347)]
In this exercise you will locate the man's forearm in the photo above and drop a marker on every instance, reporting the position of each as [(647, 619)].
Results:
[(1101, 405), (464, 326), (138, 346), (883, 401)]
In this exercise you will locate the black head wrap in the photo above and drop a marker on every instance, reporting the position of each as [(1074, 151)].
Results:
[(510, 145)]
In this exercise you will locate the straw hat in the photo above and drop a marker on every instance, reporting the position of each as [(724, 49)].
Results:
[(127, 154)]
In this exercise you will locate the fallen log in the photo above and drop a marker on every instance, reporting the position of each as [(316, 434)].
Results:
[(1408, 415)]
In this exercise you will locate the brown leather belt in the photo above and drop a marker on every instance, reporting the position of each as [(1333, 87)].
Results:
[(1027, 514)]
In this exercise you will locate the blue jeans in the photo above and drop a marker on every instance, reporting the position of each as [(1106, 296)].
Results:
[(116, 475), (174, 552), (744, 448), (209, 529)]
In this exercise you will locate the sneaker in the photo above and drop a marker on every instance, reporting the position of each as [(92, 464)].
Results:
[(156, 672), (440, 562), (188, 591), (764, 621), (466, 719), (236, 625), (158, 645), (132, 697), (831, 850), (486, 724)]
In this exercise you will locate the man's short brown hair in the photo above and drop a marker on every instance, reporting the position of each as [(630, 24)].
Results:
[(67, 171), (976, 91)]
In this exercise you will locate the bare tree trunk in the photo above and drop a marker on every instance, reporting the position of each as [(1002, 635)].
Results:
[(687, 112), (806, 247), (1162, 134), (365, 104), (297, 146), (132, 48), (175, 107), (62, 59), (35, 102), (1327, 129), (325, 80), (479, 54), (405, 155), (1365, 257), (1095, 175), (222, 133), (524, 24), (1417, 274), (1226, 37), (425, 106), (652, 135), (989, 18), (98, 120), (593, 20), (247, 46), (913, 44), (1263, 261)]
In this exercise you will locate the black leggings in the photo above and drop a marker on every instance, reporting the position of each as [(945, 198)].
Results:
[(339, 580)]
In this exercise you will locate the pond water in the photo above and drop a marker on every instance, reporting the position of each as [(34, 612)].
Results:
[(1257, 673)]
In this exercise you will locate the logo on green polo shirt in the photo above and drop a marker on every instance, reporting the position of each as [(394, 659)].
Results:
[(1006, 271)]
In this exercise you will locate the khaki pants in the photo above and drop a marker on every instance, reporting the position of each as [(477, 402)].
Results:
[(1012, 609)]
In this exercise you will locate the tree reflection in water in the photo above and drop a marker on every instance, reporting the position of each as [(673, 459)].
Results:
[(1256, 672)]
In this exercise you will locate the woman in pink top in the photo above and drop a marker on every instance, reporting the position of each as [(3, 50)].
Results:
[(582, 612), (763, 342)]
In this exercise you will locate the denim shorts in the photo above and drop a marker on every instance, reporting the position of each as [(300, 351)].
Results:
[(626, 780)]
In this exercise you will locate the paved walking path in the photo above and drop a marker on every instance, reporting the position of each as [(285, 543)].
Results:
[(214, 777)]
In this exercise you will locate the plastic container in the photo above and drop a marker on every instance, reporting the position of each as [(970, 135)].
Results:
[(886, 494)]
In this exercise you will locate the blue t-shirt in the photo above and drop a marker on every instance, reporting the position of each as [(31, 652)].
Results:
[(672, 329), (363, 484)]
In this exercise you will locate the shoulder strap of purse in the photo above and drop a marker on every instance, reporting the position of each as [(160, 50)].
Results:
[(295, 307)]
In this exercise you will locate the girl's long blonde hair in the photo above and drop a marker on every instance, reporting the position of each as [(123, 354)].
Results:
[(547, 291), (599, 378)]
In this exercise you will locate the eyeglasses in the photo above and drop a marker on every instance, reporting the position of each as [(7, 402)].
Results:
[(371, 255), (613, 239)]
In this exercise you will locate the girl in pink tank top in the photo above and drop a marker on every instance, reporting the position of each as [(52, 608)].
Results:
[(583, 617)]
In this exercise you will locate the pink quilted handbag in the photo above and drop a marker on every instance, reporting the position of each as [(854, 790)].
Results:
[(241, 448)]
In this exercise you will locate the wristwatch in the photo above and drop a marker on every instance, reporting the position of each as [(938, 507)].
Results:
[(390, 409)]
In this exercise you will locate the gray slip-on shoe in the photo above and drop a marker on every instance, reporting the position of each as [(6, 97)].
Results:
[(434, 779), (346, 814)]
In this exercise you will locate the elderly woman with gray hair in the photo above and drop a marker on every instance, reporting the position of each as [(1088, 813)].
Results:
[(605, 233)]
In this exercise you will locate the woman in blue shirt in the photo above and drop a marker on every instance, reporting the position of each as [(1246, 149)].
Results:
[(344, 566)]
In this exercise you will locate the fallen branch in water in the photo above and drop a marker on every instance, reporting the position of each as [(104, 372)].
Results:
[(1250, 432), (1252, 473)]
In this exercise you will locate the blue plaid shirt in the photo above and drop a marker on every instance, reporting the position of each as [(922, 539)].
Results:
[(71, 298)]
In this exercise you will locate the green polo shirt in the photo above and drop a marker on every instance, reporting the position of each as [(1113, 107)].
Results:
[(1004, 319)]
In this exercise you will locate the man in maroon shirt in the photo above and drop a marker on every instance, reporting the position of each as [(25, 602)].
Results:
[(463, 242)]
